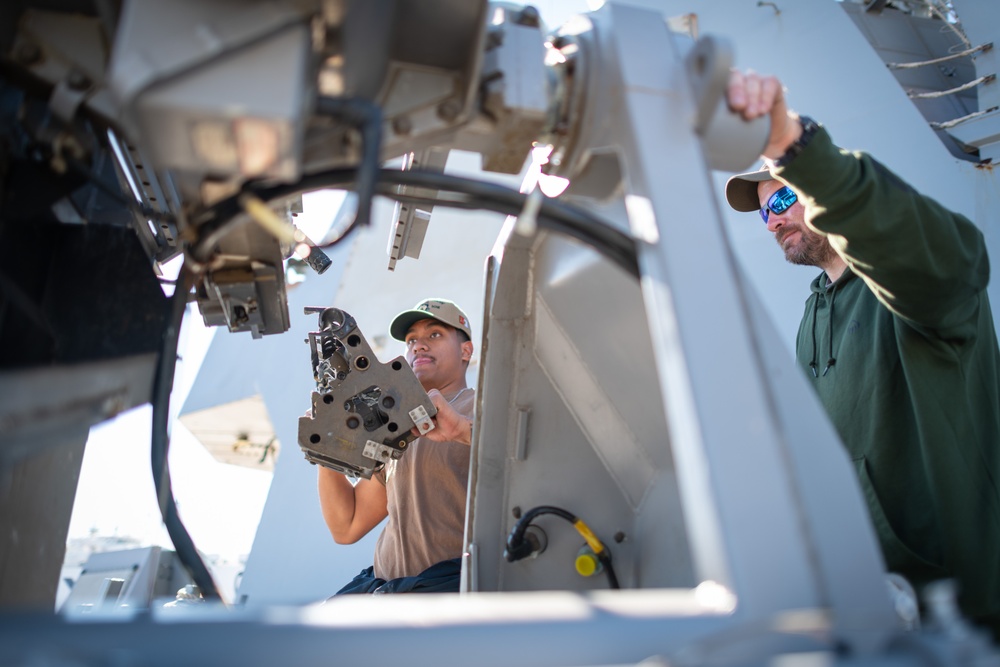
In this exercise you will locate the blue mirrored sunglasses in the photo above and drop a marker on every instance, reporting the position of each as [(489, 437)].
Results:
[(778, 203)]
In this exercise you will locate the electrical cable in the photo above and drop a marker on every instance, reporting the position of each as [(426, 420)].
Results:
[(518, 547), (162, 386), (160, 443), (614, 244), (367, 118), (558, 216)]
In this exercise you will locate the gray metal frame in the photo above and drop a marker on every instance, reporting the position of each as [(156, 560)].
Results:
[(797, 535)]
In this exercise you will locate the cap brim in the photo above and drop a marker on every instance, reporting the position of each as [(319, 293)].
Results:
[(442, 310), (741, 189), (406, 319)]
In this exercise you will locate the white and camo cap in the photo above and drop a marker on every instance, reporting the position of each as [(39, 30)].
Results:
[(442, 310)]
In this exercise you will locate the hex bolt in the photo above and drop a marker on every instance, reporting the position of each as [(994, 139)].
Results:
[(77, 80), (529, 17), (402, 125), (494, 38), (538, 540), (449, 109), (516, 512), (113, 405), (619, 537)]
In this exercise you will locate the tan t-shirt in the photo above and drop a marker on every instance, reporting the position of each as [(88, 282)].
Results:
[(426, 490)]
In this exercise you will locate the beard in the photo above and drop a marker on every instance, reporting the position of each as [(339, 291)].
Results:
[(812, 249)]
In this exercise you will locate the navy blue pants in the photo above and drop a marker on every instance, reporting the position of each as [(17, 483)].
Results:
[(441, 577)]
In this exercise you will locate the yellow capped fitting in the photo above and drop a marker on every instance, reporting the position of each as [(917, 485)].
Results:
[(587, 563)]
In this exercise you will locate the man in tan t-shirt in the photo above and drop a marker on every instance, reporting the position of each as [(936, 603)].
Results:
[(423, 493)]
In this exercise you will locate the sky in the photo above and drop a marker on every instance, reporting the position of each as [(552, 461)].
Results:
[(219, 504)]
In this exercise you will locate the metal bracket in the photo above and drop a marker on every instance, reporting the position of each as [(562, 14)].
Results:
[(407, 236)]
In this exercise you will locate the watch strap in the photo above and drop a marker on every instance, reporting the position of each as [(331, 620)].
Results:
[(809, 129)]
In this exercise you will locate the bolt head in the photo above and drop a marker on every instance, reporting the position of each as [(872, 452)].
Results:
[(402, 125), (529, 16), (448, 110), (77, 80)]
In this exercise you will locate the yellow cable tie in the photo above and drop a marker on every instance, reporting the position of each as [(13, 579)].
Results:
[(588, 536), (262, 214)]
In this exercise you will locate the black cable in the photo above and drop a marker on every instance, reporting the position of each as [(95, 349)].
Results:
[(615, 245), (162, 385), (553, 215), (605, 558), (518, 547), (160, 444), (495, 192), (367, 117)]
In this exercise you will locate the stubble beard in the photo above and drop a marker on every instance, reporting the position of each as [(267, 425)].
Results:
[(812, 249)]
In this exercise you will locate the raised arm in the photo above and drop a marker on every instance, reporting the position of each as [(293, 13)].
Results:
[(350, 511), (924, 262)]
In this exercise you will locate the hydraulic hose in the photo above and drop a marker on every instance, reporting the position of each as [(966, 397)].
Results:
[(518, 547)]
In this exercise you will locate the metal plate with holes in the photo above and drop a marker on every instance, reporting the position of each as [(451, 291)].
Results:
[(362, 410)]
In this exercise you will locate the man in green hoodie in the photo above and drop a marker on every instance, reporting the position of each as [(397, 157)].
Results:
[(898, 341)]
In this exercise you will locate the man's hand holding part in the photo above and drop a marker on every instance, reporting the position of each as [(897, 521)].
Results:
[(449, 425), (752, 95)]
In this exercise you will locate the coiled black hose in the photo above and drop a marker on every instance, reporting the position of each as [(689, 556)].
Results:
[(518, 547)]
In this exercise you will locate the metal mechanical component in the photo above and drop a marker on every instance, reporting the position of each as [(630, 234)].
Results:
[(245, 298), (410, 226), (362, 410)]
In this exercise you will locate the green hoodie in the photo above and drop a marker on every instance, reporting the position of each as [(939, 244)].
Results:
[(903, 354)]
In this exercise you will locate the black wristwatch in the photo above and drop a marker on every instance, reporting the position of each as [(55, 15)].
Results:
[(809, 129)]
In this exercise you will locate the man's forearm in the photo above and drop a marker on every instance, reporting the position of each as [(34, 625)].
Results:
[(337, 501), (350, 510)]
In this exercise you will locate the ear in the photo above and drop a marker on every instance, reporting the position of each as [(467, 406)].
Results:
[(467, 350)]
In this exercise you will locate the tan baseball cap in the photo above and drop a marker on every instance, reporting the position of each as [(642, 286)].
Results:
[(442, 310), (741, 189)]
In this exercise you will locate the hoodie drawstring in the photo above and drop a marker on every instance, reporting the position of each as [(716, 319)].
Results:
[(812, 364), (831, 360)]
